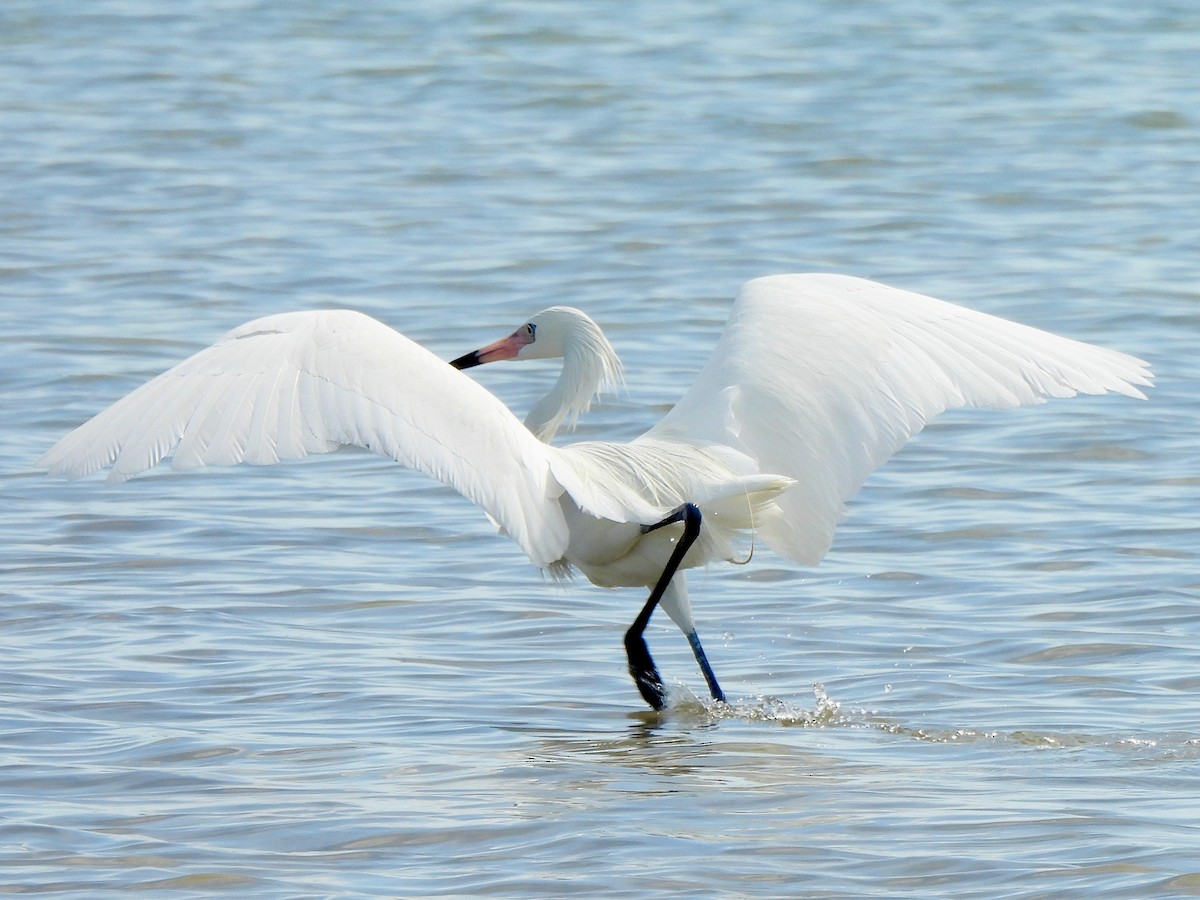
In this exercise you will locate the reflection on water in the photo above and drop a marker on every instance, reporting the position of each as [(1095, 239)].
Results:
[(333, 678)]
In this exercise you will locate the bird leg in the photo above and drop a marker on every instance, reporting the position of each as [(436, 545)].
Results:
[(641, 665), (702, 659)]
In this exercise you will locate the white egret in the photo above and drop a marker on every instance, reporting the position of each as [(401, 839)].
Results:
[(815, 382)]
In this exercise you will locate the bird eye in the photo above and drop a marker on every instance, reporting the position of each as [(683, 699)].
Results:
[(531, 330)]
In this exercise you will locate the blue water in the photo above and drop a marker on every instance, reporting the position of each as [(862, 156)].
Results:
[(332, 678)]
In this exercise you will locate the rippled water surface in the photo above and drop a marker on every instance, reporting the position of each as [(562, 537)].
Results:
[(332, 679)]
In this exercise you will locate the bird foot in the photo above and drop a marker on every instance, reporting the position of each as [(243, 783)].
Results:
[(644, 671)]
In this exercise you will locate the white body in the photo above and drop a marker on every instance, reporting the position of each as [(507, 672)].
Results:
[(815, 382)]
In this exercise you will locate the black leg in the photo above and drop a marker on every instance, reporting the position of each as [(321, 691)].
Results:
[(702, 659), (644, 671), (641, 665)]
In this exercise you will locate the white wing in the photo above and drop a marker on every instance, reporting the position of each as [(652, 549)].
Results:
[(822, 377), (288, 385)]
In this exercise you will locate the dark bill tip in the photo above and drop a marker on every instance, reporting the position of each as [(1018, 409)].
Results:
[(466, 361)]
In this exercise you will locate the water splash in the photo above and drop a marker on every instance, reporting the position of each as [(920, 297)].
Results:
[(827, 712)]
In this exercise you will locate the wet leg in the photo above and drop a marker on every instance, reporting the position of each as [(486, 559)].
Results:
[(641, 664), (702, 659)]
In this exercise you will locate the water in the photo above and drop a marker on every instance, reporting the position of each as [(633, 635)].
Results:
[(331, 679)]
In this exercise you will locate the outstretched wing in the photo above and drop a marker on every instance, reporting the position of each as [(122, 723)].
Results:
[(284, 386), (823, 377)]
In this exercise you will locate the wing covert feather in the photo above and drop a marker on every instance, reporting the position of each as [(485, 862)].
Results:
[(285, 386)]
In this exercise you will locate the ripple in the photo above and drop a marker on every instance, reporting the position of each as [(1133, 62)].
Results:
[(335, 678)]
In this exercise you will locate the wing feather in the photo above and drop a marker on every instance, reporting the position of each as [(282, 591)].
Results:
[(288, 385), (821, 378)]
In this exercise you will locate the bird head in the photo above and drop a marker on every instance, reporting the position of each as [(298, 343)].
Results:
[(547, 335), (590, 364)]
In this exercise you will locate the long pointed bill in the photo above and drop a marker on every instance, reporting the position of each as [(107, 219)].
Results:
[(505, 348)]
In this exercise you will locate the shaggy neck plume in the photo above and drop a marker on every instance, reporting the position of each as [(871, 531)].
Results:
[(590, 366)]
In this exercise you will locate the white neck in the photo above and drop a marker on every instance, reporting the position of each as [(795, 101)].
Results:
[(590, 366)]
